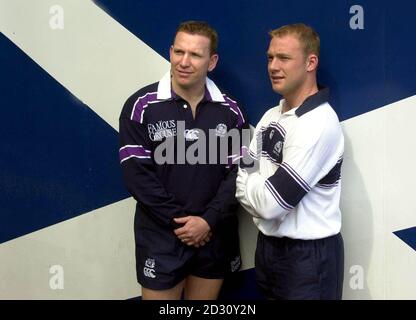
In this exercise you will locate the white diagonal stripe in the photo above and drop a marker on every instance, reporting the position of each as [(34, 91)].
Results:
[(96, 251), (94, 57)]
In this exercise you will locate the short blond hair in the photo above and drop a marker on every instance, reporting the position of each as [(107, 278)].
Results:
[(202, 28), (307, 36)]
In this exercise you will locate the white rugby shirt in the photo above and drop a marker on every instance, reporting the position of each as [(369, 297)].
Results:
[(295, 191)]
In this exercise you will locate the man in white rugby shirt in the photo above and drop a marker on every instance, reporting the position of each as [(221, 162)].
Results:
[(294, 193)]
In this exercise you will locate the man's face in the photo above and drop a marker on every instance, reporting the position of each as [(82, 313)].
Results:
[(191, 60), (287, 64)]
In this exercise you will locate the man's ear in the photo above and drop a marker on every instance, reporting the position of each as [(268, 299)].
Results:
[(312, 62), (213, 62)]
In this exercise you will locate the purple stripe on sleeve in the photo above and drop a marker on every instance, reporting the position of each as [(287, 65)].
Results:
[(233, 106), (141, 104), (133, 151), (328, 186), (234, 158), (244, 152)]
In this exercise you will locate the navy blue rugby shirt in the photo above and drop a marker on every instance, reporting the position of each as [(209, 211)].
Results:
[(169, 190)]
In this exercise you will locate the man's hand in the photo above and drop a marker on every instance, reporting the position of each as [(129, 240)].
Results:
[(195, 231), (204, 241)]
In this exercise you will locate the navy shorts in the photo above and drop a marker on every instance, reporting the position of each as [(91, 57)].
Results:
[(300, 269), (162, 260)]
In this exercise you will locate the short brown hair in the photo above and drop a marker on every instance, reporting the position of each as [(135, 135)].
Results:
[(202, 28), (305, 34)]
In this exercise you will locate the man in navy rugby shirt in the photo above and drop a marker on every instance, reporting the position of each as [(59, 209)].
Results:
[(294, 195), (186, 230)]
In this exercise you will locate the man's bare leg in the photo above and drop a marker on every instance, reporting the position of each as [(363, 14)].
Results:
[(197, 288), (174, 293)]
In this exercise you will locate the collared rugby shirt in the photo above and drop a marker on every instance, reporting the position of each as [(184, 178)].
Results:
[(296, 190), (168, 190)]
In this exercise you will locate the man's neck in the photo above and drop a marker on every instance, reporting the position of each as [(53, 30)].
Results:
[(193, 95), (297, 98)]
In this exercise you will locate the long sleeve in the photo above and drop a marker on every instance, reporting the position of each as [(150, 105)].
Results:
[(241, 183), (248, 165), (224, 203), (139, 174)]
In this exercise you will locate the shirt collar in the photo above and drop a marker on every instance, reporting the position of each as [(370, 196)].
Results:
[(313, 101), (165, 92)]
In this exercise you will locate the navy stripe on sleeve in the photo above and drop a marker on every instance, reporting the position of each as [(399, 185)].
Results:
[(333, 176), (276, 195), (287, 185)]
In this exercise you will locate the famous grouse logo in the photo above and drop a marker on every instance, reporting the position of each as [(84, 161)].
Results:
[(162, 129)]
